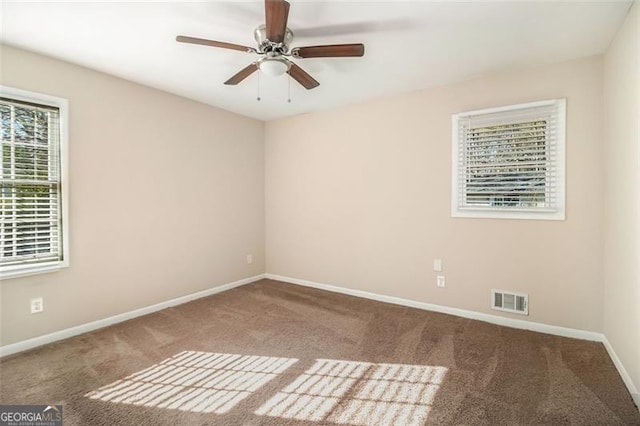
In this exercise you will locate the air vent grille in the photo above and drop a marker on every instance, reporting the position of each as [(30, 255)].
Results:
[(508, 301)]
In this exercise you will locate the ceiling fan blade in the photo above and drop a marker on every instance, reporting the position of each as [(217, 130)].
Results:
[(329, 51), (301, 76), (213, 43), (276, 13), (242, 74)]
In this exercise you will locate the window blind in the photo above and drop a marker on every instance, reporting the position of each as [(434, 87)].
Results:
[(30, 210), (508, 159)]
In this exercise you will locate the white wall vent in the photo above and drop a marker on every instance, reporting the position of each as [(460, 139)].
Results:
[(508, 301)]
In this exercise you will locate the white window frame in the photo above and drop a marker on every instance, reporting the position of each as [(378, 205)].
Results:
[(494, 212), (15, 271)]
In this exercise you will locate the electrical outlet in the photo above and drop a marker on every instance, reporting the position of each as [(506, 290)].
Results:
[(440, 280), (37, 305), (249, 258), (437, 265)]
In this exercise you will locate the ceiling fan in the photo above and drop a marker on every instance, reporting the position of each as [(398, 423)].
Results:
[(274, 39)]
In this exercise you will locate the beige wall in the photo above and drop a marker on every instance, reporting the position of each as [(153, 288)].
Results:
[(360, 198), (622, 212), (166, 198)]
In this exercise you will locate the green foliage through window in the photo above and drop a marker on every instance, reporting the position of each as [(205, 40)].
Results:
[(29, 183), (507, 165), (508, 162)]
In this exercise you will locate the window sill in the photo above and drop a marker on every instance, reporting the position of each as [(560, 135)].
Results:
[(23, 271), (497, 213)]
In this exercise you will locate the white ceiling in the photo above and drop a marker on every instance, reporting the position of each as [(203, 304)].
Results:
[(409, 45)]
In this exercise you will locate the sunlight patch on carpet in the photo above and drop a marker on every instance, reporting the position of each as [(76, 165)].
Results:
[(358, 393), (202, 382)]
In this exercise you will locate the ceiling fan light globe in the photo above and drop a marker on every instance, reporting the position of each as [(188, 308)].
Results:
[(273, 67)]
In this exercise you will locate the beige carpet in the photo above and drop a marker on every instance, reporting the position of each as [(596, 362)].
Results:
[(271, 353)]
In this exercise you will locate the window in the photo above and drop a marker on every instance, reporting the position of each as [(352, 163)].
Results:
[(509, 162), (33, 224)]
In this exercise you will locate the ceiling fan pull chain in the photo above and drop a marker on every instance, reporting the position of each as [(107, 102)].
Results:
[(288, 88), (258, 98)]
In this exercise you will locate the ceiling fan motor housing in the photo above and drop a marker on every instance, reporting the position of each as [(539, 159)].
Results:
[(266, 45)]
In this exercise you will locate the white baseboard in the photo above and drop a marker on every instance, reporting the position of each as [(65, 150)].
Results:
[(623, 371), (84, 328), (494, 319)]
